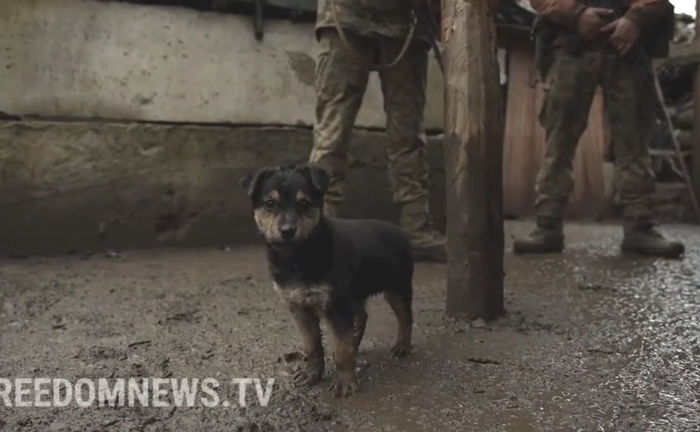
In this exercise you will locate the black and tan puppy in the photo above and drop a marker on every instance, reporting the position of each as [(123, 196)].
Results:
[(327, 268)]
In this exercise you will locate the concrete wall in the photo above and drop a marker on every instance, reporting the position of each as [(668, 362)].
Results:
[(90, 186), (94, 59)]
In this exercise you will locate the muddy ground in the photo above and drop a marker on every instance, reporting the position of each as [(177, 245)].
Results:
[(592, 341)]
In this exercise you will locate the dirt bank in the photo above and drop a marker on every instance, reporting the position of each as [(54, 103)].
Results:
[(592, 341)]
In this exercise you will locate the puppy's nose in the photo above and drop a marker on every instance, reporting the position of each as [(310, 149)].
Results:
[(288, 232)]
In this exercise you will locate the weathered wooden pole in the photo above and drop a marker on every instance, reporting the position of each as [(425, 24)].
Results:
[(696, 97), (473, 156)]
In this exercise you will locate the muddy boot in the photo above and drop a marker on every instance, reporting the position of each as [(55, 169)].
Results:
[(641, 238), (547, 237), (428, 244)]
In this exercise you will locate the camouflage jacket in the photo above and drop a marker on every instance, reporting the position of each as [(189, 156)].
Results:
[(390, 18)]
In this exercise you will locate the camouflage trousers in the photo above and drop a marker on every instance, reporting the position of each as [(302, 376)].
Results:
[(570, 86), (341, 80)]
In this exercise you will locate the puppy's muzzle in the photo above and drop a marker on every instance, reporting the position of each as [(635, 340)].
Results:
[(287, 232)]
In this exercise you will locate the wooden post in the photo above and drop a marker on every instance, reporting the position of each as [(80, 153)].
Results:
[(473, 156), (696, 96)]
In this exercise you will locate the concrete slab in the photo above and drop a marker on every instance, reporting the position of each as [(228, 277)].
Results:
[(82, 186), (112, 60)]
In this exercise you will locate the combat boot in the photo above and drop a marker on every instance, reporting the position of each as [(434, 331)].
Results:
[(547, 237), (640, 237), (428, 244)]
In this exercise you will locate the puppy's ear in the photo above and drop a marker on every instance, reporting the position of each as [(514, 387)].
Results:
[(251, 182), (319, 177)]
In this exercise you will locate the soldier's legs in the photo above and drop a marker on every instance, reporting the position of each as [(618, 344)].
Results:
[(570, 87), (630, 115), (403, 88), (341, 80), (404, 91), (629, 109)]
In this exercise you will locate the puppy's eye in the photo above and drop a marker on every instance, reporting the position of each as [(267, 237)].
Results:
[(305, 203), (269, 204)]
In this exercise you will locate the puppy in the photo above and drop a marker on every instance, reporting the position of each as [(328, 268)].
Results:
[(326, 268)]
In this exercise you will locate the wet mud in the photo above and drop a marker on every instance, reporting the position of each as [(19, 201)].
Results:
[(592, 341)]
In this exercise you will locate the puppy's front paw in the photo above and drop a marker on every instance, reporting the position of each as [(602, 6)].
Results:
[(344, 385), (307, 376)]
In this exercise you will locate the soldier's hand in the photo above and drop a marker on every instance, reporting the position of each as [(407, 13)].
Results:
[(592, 21), (625, 33)]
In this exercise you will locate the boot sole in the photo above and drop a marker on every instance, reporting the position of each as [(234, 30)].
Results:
[(521, 249), (635, 250), (527, 251)]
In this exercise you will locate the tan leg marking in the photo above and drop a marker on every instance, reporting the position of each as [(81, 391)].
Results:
[(360, 325), (308, 323), (402, 309), (345, 383)]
